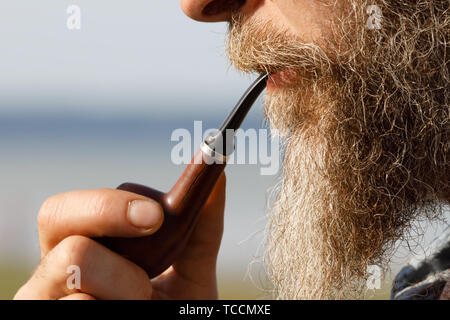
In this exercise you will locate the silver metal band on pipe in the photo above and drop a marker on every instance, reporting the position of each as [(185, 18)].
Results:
[(217, 157)]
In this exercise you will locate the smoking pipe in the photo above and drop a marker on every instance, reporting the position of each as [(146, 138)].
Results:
[(183, 203)]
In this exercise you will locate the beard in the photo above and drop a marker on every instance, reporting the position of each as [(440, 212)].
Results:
[(365, 128)]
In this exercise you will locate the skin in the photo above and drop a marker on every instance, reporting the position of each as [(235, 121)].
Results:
[(68, 221), (306, 19)]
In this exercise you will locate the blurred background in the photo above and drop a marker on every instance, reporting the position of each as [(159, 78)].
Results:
[(96, 107)]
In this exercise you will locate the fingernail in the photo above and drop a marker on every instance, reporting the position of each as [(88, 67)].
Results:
[(144, 214)]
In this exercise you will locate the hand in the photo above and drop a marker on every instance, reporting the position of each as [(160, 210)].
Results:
[(68, 221)]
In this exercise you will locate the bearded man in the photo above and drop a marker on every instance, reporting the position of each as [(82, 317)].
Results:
[(359, 93)]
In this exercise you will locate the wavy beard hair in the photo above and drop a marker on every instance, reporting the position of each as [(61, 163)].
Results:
[(365, 133)]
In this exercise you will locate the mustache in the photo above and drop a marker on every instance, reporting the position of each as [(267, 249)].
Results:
[(256, 45)]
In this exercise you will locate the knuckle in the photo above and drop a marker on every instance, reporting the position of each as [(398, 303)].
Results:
[(73, 250)]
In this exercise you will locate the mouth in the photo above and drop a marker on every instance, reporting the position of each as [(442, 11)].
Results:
[(284, 78)]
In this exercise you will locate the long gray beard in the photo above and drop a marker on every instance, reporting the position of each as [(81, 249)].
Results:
[(366, 145), (307, 254)]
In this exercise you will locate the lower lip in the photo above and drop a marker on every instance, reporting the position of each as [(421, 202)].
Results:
[(281, 79)]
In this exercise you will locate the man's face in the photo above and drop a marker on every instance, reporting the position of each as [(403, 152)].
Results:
[(364, 114), (307, 19)]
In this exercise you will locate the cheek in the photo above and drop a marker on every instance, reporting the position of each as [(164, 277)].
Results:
[(304, 18)]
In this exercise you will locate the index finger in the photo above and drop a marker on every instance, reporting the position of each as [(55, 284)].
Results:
[(97, 213)]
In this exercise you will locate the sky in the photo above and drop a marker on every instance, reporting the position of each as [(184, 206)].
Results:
[(129, 57)]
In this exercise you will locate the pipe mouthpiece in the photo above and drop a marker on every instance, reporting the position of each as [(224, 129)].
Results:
[(222, 143)]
